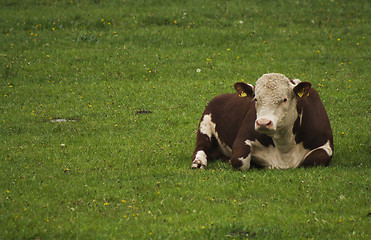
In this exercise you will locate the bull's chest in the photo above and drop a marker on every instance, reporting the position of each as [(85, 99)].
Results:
[(290, 156)]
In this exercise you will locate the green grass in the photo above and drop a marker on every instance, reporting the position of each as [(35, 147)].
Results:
[(114, 173)]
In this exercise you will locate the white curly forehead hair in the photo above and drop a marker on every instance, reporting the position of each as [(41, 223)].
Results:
[(275, 86)]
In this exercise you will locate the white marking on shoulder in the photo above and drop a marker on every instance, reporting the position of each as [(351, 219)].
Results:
[(326, 147), (207, 126)]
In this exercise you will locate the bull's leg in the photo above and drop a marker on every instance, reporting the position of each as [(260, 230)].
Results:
[(318, 157), (241, 156), (204, 147)]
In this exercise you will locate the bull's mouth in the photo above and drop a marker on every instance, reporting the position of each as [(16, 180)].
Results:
[(265, 130)]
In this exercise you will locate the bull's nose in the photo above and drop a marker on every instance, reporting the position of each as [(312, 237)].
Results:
[(263, 123)]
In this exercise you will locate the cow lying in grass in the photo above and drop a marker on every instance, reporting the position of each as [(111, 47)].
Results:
[(279, 123)]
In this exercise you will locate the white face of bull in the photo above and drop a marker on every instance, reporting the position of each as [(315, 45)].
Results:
[(275, 103)]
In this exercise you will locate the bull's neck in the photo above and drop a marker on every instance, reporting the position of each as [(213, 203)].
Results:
[(284, 140)]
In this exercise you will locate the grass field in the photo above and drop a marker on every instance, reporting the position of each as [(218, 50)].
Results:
[(132, 78)]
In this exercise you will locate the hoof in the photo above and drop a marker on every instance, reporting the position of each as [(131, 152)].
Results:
[(198, 164)]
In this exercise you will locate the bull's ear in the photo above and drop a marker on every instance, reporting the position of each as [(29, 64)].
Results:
[(302, 89), (244, 89)]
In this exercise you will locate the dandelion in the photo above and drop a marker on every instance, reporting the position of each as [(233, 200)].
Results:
[(53, 29), (339, 39), (228, 49), (106, 204)]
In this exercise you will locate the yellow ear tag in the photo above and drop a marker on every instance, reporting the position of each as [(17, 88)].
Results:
[(301, 93), (243, 94)]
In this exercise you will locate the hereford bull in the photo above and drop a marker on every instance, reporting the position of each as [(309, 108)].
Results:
[(279, 123)]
